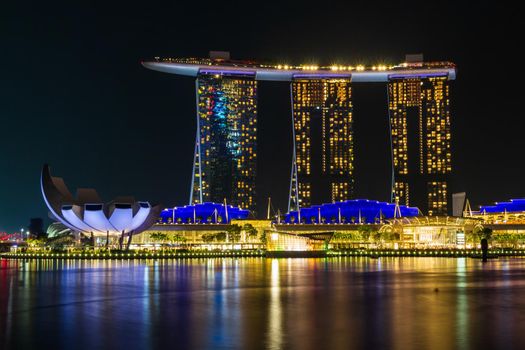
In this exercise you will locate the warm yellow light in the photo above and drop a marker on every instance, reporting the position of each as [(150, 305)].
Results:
[(360, 68)]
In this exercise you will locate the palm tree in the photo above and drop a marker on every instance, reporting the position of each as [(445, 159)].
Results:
[(221, 236), (208, 237), (249, 230), (234, 233)]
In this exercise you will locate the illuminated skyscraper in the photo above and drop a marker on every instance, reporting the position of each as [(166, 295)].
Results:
[(322, 169), (419, 108), (225, 147)]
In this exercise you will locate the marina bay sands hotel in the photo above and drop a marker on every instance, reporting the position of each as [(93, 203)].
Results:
[(322, 169)]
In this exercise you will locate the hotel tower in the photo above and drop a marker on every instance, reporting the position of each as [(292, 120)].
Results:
[(322, 161), (419, 109), (224, 166)]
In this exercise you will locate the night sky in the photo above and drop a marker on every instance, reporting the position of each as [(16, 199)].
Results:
[(73, 93)]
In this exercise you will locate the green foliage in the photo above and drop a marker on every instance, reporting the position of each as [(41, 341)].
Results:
[(234, 232), (249, 230), (263, 237), (220, 237), (508, 237), (214, 237), (158, 236), (177, 238), (347, 236), (36, 242), (365, 231), (478, 234), (208, 237), (486, 233), (390, 236)]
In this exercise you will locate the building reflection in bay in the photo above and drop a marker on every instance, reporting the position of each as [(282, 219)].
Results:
[(402, 303)]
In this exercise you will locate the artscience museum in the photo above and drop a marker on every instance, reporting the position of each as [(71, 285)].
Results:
[(88, 214)]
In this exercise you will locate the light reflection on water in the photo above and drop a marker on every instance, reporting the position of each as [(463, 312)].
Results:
[(252, 303)]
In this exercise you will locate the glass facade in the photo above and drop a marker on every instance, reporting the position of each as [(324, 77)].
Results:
[(419, 109), (225, 147), (322, 169)]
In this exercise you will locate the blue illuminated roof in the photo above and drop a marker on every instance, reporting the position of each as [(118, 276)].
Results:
[(350, 210), (212, 213), (515, 205)]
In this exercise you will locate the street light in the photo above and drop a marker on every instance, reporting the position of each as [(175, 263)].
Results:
[(22, 233)]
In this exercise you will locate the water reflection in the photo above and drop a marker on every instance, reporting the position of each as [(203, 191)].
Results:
[(337, 303), (274, 340)]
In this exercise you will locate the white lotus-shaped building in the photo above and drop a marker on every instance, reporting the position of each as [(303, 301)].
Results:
[(86, 213)]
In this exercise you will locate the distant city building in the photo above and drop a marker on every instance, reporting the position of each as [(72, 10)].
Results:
[(419, 108), (36, 227), (226, 143), (323, 155)]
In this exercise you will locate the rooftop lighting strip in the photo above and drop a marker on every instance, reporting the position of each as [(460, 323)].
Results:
[(225, 71), (322, 75), (417, 75)]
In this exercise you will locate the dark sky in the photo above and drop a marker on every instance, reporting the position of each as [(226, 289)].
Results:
[(73, 94)]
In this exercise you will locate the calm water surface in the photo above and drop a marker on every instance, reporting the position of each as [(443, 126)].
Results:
[(256, 303)]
